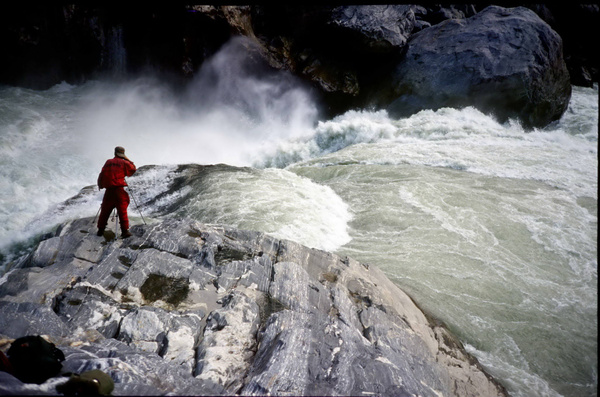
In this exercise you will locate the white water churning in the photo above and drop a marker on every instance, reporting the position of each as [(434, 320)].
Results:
[(490, 228)]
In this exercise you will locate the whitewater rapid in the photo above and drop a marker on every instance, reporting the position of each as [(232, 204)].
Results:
[(491, 228)]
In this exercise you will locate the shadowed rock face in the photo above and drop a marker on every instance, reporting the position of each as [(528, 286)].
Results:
[(187, 308), (507, 62)]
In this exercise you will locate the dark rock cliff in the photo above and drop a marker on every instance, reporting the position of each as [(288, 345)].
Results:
[(347, 53)]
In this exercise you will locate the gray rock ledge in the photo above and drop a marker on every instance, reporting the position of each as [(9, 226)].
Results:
[(183, 308)]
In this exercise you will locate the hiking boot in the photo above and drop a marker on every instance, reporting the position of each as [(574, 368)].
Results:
[(100, 232), (126, 233)]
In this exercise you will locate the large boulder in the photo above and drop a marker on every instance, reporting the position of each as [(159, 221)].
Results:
[(504, 61), (190, 309)]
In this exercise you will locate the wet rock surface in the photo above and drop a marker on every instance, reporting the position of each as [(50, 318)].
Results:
[(191, 309)]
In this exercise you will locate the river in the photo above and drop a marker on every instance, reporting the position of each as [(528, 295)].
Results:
[(490, 228)]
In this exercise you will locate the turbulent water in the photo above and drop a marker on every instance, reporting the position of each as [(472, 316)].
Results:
[(490, 228)]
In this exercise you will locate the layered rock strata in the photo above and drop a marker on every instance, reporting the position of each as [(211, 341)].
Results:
[(190, 309)]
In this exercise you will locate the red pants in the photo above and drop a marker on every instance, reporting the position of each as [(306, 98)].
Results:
[(118, 198)]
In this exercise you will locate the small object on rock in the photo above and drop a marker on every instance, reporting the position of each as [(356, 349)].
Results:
[(89, 383)]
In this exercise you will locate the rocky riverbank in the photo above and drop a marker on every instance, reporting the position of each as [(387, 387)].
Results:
[(185, 308)]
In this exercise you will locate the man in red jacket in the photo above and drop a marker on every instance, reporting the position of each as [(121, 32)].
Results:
[(112, 178)]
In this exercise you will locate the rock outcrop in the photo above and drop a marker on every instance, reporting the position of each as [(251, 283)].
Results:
[(503, 61), (506, 62), (191, 309)]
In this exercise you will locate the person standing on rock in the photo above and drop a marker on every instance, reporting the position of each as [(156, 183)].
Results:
[(112, 178)]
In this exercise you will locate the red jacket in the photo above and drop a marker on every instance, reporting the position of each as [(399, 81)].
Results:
[(114, 172)]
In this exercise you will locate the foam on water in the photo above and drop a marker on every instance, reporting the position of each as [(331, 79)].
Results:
[(565, 154), (274, 201), (54, 142), (37, 164), (510, 265), (490, 227)]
